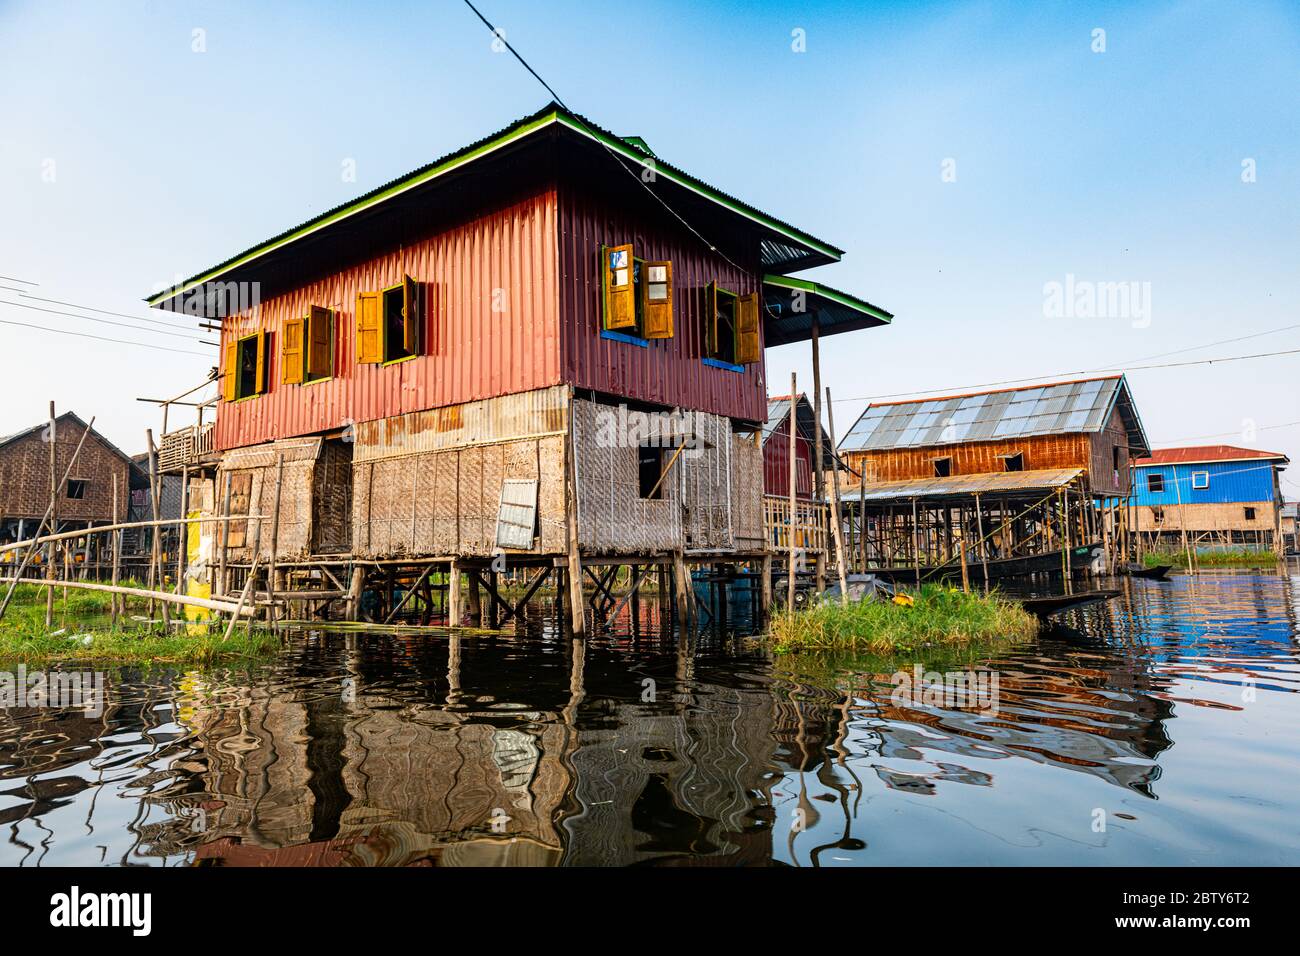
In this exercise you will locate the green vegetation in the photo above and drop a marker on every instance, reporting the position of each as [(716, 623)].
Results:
[(82, 632), (936, 616), (1239, 558)]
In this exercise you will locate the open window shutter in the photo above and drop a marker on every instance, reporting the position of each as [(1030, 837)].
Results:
[(411, 318), (711, 319), (747, 345), (657, 293), (291, 353), (370, 328), (263, 340), (620, 302), (231, 378), (320, 344)]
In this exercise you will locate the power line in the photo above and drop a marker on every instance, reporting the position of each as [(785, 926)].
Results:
[(23, 281), (1039, 378), (90, 308), (617, 159), (91, 318), (1258, 428), (101, 338)]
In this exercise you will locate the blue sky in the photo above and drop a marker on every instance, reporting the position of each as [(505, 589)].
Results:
[(127, 158)]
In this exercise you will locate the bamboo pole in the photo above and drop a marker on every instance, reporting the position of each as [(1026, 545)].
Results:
[(225, 537), (243, 597), (577, 614), (182, 545), (165, 597), (27, 557), (271, 584), (117, 552), (819, 480), (121, 525), (54, 518), (835, 504), (790, 420), (155, 552)]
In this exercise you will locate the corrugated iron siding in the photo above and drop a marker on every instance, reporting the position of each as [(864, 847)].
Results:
[(776, 463), (972, 458), (670, 371), (471, 351)]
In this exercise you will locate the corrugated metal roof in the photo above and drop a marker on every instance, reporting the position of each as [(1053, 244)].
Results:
[(791, 247), (1060, 408), (963, 485), (792, 304), (1196, 454)]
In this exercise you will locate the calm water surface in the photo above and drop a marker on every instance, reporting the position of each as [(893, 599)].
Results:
[(1157, 729)]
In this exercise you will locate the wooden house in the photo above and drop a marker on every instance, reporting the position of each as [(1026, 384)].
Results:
[(548, 344), (1209, 495), (1022, 472), (84, 500)]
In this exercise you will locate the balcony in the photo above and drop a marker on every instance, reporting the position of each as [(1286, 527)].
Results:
[(808, 529), (185, 447)]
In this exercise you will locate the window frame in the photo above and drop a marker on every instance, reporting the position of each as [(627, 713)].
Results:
[(1202, 474), (712, 292), (259, 341), (660, 485), (1155, 482), (82, 483)]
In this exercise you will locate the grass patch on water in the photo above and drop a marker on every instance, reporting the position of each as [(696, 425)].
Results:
[(938, 616), (1238, 558), (82, 631)]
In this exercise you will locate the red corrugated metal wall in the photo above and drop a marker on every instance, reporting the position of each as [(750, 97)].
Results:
[(776, 464), (669, 371), (479, 342)]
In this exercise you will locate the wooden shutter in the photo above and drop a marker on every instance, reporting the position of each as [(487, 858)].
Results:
[(620, 301), (711, 320), (657, 299), (370, 327), (747, 345), (231, 377), (291, 352), (411, 318), (263, 341), (320, 343)]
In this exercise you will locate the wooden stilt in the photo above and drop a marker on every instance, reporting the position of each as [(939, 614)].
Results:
[(577, 613), (453, 594), (836, 530), (794, 475)]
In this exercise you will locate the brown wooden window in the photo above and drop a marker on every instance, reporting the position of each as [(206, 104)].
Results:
[(389, 324), (307, 347), (636, 295), (1250, 514), (76, 489), (245, 372), (942, 467)]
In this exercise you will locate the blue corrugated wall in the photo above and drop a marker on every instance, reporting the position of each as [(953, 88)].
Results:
[(1229, 482)]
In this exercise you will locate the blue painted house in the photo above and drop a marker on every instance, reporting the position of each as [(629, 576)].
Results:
[(1215, 494)]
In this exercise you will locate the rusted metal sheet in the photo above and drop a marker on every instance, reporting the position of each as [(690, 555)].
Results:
[(669, 371), (963, 485), (776, 463), (527, 415), (1044, 451), (491, 328)]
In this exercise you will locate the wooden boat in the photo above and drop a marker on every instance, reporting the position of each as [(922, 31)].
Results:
[(999, 568), (1156, 573), (1044, 607)]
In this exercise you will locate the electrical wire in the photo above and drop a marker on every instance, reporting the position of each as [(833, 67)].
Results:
[(101, 338), (91, 318)]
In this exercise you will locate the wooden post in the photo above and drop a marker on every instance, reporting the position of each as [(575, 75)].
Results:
[(155, 553), (225, 539), (819, 486), (835, 501), (916, 542), (453, 594), (117, 553), (682, 586), (794, 456), (272, 585), (984, 549), (475, 602), (862, 513), (577, 613), (54, 520), (182, 531), (767, 585), (355, 586)]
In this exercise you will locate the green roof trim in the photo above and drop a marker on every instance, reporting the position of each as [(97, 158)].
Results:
[(549, 115), (835, 295)]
